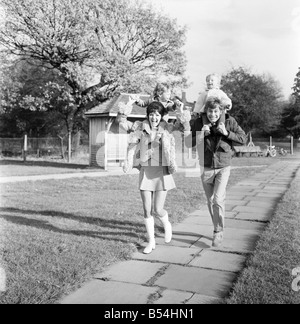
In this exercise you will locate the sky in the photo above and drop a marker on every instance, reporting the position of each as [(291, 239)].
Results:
[(263, 35)]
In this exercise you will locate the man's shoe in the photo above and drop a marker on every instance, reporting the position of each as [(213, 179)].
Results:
[(218, 239)]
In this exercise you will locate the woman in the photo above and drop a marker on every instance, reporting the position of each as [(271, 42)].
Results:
[(152, 150)]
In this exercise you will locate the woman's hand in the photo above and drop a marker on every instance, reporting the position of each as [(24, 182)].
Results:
[(133, 99)]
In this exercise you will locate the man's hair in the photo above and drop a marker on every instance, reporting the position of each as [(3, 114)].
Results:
[(156, 106), (213, 103)]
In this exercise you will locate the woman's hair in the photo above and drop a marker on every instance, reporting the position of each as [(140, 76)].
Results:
[(160, 89), (213, 103), (156, 106)]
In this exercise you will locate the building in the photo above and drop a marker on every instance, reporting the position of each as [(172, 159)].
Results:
[(108, 144)]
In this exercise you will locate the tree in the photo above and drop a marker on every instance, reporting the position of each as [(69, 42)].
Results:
[(22, 99), (117, 41), (257, 99), (291, 113)]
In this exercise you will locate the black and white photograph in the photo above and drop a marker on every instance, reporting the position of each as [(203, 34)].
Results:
[(149, 155)]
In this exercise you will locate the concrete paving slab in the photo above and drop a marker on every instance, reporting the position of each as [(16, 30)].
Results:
[(219, 261), (242, 194), (230, 214), (248, 225), (276, 188), (198, 220), (235, 196), (233, 246), (204, 300), (254, 210), (201, 281), (249, 181), (262, 204), (195, 230), (270, 195), (262, 199), (284, 180), (203, 243), (230, 208), (253, 217), (207, 220), (237, 246), (173, 297), (99, 292), (201, 213), (165, 254), (184, 240), (240, 190), (236, 202), (241, 234), (123, 271), (250, 185)]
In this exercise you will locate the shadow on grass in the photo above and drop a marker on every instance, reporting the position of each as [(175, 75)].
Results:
[(47, 164), (118, 228)]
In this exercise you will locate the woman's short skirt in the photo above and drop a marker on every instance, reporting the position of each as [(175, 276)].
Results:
[(156, 178)]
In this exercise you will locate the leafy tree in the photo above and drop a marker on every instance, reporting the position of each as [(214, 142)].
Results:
[(115, 43), (257, 99), (117, 40), (22, 100), (291, 113)]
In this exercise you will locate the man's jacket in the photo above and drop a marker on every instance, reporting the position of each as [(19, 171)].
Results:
[(215, 150)]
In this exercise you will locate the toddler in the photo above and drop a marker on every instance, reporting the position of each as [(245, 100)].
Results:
[(213, 82)]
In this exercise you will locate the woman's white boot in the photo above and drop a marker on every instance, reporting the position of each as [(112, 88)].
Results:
[(168, 228), (149, 222)]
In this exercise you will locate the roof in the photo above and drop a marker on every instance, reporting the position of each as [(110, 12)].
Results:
[(111, 107)]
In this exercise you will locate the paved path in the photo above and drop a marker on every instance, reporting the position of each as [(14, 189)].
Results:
[(61, 176), (189, 271), (92, 174)]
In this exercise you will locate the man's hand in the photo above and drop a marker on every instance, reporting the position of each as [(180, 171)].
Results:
[(206, 130), (222, 129)]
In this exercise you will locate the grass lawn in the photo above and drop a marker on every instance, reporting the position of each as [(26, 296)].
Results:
[(55, 235), (267, 278)]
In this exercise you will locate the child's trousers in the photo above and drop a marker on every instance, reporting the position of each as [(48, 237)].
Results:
[(215, 183)]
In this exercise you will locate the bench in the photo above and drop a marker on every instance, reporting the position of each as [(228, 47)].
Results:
[(247, 151)]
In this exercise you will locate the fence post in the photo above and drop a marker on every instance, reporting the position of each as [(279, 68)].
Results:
[(25, 147), (271, 140), (292, 145), (106, 151)]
